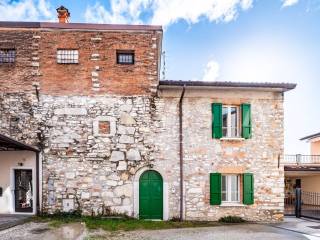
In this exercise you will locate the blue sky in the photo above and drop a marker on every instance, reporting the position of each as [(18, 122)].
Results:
[(220, 40)]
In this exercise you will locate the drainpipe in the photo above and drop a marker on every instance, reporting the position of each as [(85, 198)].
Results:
[(181, 151), (37, 184)]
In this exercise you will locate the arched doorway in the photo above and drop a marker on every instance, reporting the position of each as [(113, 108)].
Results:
[(150, 195)]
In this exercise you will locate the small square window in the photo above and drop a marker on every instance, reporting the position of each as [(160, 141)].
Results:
[(7, 55), (104, 127), (125, 57), (67, 56)]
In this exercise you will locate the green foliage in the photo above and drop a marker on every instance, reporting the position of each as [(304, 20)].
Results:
[(115, 224), (134, 224), (231, 219)]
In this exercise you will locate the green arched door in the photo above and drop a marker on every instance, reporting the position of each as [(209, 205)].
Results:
[(150, 195)]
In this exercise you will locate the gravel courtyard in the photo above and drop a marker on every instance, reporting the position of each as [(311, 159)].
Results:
[(291, 229)]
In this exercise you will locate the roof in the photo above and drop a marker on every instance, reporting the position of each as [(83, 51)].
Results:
[(79, 26), (282, 87), (7, 143), (309, 168), (311, 136)]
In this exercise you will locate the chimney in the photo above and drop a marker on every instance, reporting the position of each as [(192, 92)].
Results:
[(63, 14)]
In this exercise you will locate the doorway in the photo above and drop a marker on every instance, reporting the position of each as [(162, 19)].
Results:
[(23, 190), (151, 195)]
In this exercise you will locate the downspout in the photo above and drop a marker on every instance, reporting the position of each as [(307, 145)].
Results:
[(37, 184), (181, 150)]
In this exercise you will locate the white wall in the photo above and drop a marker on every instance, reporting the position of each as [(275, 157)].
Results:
[(8, 161)]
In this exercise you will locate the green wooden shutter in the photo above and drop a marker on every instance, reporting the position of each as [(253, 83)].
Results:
[(248, 189), (215, 188), (216, 120), (246, 120)]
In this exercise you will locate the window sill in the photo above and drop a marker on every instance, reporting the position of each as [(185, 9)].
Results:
[(232, 139), (231, 204)]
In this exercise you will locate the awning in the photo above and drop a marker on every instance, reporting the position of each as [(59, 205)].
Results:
[(10, 144)]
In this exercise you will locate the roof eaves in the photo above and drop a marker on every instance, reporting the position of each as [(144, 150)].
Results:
[(16, 144), (310, 136), (80, 26), (280, 86)]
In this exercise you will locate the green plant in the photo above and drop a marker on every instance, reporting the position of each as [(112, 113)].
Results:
[(175, 219), (115, 224), (231, 219)]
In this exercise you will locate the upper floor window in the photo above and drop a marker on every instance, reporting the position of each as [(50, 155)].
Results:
[(7, 55), (125, 57), (67, 56), (230, 121)]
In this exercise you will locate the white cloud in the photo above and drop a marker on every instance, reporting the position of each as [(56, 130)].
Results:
[(166, 12), (288, 3), (45, 8), (211, 72), (121, 11), (25, 10)]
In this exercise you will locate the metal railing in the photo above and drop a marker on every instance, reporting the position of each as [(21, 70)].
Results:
[(307, 204), (299, 159), (289, 204)]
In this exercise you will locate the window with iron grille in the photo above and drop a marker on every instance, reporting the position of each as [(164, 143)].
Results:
[(125, 57), (67, 56), (7, 55)]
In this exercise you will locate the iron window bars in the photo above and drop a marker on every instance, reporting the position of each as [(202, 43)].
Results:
[(7, 55), (125, 57), (67, 56)]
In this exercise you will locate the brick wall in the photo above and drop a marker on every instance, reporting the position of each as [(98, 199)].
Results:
[(97, 71), (19, 76)]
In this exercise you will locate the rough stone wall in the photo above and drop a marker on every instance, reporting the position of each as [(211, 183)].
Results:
[(93, 170), (89, 168), (18, 117), (204, 155)]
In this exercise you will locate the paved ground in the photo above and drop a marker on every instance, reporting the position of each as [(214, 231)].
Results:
[(7, 221), (41, 231), (303, 226), (235, 232), (291, 229)]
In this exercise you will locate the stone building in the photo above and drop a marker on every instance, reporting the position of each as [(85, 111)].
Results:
[(86, 124)]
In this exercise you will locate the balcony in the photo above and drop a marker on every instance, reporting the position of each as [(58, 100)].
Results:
[(300, 159)]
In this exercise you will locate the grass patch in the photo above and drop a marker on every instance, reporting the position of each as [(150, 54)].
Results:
[(125, 224), (134, 224)]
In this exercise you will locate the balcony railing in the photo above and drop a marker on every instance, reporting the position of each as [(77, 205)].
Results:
[(299, 159)]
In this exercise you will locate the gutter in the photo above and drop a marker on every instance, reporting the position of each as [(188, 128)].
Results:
[(181, 150)]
